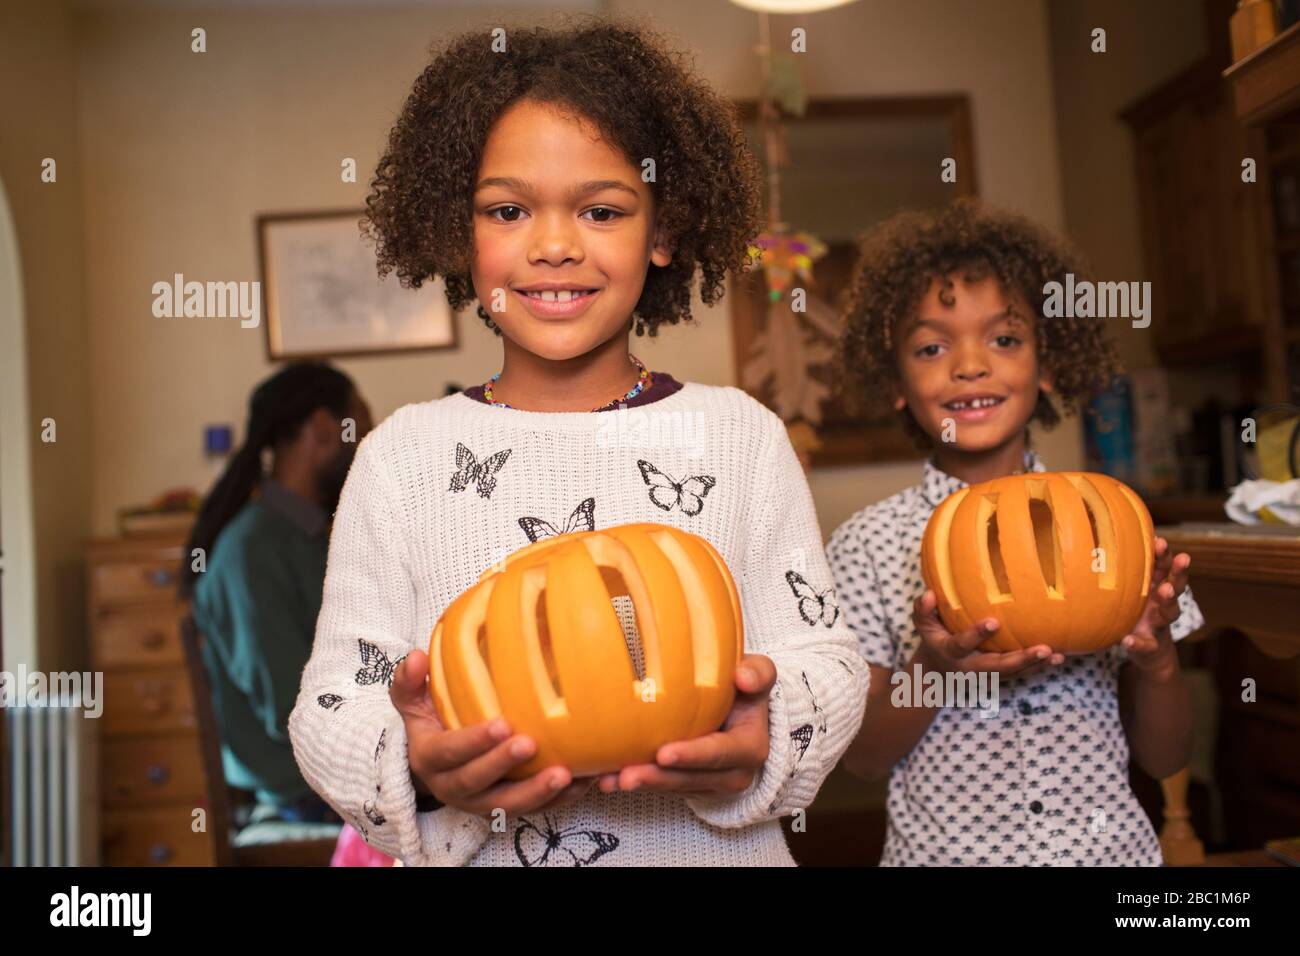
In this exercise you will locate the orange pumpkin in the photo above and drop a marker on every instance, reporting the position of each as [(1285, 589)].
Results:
[(538, 641), (1058, 558)]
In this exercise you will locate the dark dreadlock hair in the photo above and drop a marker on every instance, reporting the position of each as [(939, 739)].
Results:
[(277, 410)]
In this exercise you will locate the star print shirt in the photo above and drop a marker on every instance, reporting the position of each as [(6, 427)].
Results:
[(442, 490), (1040, 780)]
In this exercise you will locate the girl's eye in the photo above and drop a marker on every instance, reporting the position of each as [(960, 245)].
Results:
[(1006, 341), (609, 215), (502, 209), (928, 351)]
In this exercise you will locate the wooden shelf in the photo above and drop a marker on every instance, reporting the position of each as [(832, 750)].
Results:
[(1175, 509), (1221, 345), (1254, 554), (1266, 84)]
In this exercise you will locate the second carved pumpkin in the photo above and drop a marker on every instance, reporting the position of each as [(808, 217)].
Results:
[(1058, 558)]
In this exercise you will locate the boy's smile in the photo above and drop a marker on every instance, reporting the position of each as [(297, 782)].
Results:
[(970, 363), (564, 231)]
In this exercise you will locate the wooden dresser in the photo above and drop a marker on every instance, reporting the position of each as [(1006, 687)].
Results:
[(1247, 583), (152, 765)]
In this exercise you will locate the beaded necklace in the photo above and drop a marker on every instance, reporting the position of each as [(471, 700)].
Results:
[(642, 383)]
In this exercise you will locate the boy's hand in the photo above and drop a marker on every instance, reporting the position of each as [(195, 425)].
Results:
[(466, 768), (944, 651), (723, 762), (1150, 646)]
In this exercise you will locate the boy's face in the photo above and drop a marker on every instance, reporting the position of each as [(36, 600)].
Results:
[(557, 208), (974, 362)]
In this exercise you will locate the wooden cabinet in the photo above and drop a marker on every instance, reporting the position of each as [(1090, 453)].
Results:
[(152, 768), (1247, 583), (1266, 92), (1200, 220)]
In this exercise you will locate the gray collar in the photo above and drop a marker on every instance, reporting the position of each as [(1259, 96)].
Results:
[(307, 515)]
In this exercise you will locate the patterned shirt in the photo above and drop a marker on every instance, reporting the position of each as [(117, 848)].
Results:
[(1041, 780)]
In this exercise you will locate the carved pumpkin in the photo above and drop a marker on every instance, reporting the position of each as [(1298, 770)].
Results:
[(538, 641), (1058, 558)]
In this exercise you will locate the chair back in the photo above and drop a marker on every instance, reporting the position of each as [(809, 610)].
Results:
[(214, 776)]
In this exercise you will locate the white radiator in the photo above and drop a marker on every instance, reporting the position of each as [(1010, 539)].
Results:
[(54, 785)]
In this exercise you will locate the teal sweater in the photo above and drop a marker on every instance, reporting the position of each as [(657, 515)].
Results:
[(256, 606)]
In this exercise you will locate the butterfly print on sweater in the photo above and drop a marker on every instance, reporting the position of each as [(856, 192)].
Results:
[(330, 701), (814, 605), (583, 518), (571, 846), (376, 668), (470, 471), (667, 493), (802, 737), (371, 808), (816, 707)]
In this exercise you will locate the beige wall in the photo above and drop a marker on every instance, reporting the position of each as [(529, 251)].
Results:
[(1147, 43), (38, 119), (184, 149)]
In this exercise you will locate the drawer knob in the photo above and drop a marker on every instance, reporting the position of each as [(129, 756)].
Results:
[(161, 577), (160, 853), (154, 640), (157, 774)]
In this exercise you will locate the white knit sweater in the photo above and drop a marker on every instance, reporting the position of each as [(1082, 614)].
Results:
[(441, 490)]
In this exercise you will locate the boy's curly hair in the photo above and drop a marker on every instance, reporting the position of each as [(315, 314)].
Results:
[(898, 259), (637, 92)]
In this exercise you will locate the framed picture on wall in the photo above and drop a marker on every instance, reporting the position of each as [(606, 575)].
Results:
[(851, 164), (323, 298)]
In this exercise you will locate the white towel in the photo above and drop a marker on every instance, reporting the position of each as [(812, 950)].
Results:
[(1281, 498)]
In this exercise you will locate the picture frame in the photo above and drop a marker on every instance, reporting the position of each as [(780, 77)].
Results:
[(846, 437), (322, 296)]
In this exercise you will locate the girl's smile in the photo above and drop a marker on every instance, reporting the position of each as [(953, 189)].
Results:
[(549, 300)]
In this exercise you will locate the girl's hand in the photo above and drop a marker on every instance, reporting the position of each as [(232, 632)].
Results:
[(1150, 646), (723, 762), (466, 768), (946, 652)]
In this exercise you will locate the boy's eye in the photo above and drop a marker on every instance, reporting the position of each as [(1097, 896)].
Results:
[(604, 214), (502, 209), (1006, 341)]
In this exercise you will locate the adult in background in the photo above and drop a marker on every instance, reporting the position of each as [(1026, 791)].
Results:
[(265, 537)]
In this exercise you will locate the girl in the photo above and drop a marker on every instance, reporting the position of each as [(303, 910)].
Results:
[(572, 181), (946, 310)]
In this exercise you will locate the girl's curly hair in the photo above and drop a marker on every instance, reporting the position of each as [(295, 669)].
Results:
[(637, 92), (897, 261)]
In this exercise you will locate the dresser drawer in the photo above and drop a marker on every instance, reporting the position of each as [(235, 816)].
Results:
[(140, 579), (147, 702), (153, 770), (156, 837), (145, 637)]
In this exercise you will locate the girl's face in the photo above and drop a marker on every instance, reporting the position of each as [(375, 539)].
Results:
[(970, 370), (564, 231)]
